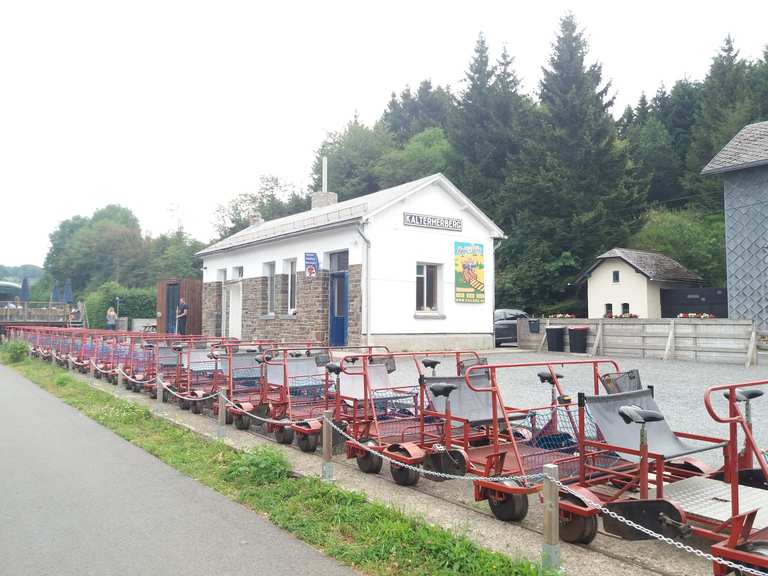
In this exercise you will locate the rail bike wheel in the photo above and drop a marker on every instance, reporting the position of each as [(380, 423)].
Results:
[(576, 529), (242, 421), (307, 442), (284, 435), (509, 507), (184, 404), (403, 476), (196, 407), (758, 548), (368, 462)]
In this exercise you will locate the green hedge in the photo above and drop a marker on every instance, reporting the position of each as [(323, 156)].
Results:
[(134, 303)]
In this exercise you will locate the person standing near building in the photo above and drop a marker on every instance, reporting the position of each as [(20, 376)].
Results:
[(111, 319), (181, 317)]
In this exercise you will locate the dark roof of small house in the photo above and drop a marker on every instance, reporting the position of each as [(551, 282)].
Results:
[(749, 148), (655, 265)]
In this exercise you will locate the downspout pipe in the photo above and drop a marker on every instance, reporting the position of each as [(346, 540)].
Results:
[(366, 281)]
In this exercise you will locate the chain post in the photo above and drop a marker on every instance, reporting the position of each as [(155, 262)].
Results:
[(222, 413), (91, 370), (327, 474), (550, 549), (160, 391), (120, 377)]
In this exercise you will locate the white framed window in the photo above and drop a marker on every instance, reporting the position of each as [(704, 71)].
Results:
[(289, 269), (269, 272), (625, 308), (221, 274), (615, 276), (427, 283), (609, 309), (237, 272)]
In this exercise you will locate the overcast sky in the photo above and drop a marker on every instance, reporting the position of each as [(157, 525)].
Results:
[(170, 108)]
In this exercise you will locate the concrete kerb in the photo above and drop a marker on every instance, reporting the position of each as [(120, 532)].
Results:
[(478, 526)]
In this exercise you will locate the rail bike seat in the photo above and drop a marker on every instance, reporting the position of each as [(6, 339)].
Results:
[(333, 368), (546, 376), (745, 395), (473, 405), (615, 382), (637, 415), (148, 346), (253, 349), (442, 389), (261, 358), (177, 346), (430, 363), (295, 354), (322, 359)]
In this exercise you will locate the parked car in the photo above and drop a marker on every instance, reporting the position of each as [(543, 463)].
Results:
[(505, 325)]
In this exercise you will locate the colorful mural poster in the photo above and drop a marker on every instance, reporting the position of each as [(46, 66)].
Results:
[(469, 271)]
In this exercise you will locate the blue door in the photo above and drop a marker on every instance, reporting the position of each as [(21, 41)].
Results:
[(171, 303), (339, 308)]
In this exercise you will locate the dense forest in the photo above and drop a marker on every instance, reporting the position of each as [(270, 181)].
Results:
[(563, 174), (564, 177)]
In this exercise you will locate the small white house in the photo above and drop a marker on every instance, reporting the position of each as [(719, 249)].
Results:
[(411, 267), (624, 281)]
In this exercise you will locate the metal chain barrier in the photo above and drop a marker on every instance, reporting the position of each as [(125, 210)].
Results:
[(285, 422), (122, 373), (187, 398), (99, 369)]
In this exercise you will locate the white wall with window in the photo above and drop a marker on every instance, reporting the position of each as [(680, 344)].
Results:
[(615, 288)]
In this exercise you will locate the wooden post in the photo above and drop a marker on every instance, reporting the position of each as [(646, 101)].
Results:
[(598, 338), (222, 413), (550, 550), (120, 378), (327, 474), (544, 337), (752, 349), (670, 349), (160, 390)]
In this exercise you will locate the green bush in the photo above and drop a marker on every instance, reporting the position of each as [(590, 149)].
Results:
[(134, 303), (262, 465), (15, 352)]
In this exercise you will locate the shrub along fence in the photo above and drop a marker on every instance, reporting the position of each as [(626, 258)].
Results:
[(711, 340), (134, 303)]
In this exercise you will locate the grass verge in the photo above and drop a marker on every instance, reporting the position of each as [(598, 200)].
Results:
[(371, 537)]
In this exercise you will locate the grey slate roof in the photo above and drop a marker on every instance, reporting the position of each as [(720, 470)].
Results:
[(747, 149), (654, 265)]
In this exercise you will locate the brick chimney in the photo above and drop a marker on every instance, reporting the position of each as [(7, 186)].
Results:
[(324, 198)]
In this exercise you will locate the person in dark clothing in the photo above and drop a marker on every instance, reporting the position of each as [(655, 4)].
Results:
[(182, 311)]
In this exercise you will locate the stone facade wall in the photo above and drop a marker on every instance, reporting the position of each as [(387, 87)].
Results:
[(212, 308), (309, 323), (355, 321)]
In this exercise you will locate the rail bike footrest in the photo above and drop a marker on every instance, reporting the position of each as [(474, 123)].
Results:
[(658, 515)]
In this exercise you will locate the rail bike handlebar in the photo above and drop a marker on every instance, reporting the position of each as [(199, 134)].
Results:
[(494, 367), (457, 354), (731, 388)]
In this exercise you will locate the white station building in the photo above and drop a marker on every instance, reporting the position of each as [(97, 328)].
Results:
[(410, 267)]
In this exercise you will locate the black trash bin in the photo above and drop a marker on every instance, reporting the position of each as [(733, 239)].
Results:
[(577, 339), (556, 338)]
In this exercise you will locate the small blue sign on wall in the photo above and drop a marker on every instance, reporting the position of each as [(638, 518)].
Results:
[(311, 264)]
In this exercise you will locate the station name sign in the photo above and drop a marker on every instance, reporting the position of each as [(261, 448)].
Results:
[(437, 222)]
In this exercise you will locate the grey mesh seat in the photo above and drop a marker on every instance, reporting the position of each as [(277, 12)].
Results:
[(615, 382), (476, 407), (198, 361), (244, 366), (303, 372), (380, 387), (604, 410)]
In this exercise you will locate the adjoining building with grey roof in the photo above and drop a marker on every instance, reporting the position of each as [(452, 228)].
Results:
[(626, 281), (743, 165), (410, 267)]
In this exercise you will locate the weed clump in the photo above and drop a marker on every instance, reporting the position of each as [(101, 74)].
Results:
[(262, 465), (14, 352)]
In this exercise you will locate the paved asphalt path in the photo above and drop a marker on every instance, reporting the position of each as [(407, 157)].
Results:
[(75, 499)]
